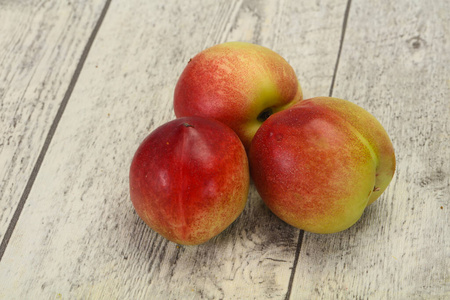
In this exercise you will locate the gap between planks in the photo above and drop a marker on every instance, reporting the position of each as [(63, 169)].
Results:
[(51, 132)]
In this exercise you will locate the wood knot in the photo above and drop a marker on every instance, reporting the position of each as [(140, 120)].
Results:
[(416, 42)]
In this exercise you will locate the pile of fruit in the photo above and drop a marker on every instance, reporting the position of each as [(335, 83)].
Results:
[(316, 163)]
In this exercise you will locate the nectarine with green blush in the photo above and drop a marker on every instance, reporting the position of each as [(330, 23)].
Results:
[(318, 164), (239, 84)]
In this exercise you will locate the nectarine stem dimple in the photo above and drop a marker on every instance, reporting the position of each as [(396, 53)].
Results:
[(187, 125), (265, 114)]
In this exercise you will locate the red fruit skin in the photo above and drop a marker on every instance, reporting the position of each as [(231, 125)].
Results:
[(233, 83), (189, 179), (318, 164)]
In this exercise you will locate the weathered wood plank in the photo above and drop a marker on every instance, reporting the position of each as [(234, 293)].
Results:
[(79, 237), (394, 63), (40, 46)]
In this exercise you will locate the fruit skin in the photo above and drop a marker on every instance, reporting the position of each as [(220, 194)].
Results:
[(234, 83), (189, 179), (319, 164)]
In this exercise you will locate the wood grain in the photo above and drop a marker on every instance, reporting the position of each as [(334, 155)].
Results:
[(79, 237), (40, 46), (394, 63)]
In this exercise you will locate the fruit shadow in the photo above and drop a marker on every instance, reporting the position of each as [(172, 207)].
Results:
[(368, 229)]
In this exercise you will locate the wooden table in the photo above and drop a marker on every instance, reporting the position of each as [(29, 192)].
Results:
[(83, 82)]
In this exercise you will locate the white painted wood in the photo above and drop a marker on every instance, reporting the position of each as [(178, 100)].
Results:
[(306, 34), (40, 45), (395, 63), (78, 236)]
